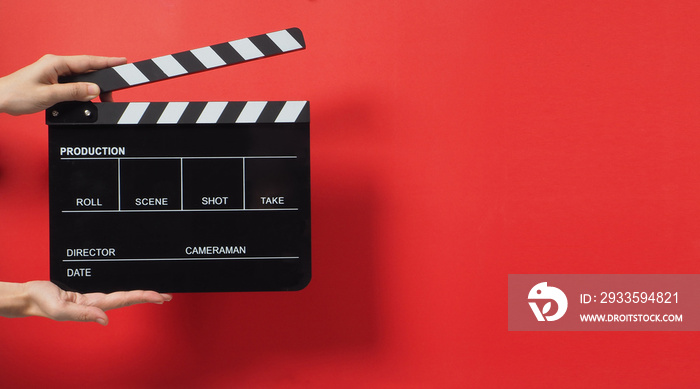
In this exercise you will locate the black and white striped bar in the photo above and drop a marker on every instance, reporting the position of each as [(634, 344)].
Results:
[(213, 112), (193, 61)]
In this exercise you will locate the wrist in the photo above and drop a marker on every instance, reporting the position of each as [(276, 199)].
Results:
[(3, 96), (14, 299)]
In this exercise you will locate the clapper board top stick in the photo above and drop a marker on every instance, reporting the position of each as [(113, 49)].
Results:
[(181, 196), (193, 61)]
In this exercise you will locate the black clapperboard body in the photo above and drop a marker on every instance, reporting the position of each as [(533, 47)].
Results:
[(181, 196)]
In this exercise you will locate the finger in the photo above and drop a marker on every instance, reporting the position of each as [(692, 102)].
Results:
[(74, 91), (125, 299), (82, 63)]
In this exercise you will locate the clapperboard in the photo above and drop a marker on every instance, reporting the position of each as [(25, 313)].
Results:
[(181, 196)]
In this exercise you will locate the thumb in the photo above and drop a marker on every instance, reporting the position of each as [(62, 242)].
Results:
[(74, 91), (77, 312)]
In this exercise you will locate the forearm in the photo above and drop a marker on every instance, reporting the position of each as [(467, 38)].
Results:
[(14, 300)]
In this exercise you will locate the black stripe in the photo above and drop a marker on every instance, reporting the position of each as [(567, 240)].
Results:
[(111, 80), (298, 35), (153, 113), (266, 45), (110, 113), (231, 112), (305, 114), (150, 70), (270, 112), (189, 62), (192, 112), (227, 53)]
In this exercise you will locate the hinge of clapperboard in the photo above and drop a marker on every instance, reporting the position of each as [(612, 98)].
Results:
[(181, 64)]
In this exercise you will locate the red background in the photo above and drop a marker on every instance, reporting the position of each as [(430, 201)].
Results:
[(453, 143)]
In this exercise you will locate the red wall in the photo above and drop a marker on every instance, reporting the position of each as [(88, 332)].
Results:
[(453, 143)]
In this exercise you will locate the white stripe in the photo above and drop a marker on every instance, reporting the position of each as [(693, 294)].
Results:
[(212, 111), (131, 74), (284, 40), (133, 112), (246, 49), (208, 57), (169, 65), (172, 112), (290, 112), (251, 112)]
